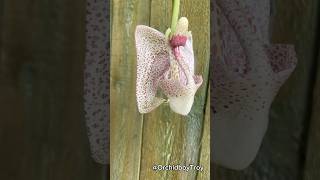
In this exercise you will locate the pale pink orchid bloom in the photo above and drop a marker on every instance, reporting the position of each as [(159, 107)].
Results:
[(165, 64)]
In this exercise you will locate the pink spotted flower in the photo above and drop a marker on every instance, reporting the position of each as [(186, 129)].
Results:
[(165, 64)]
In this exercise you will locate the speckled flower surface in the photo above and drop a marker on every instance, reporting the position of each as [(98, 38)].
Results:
[(96, 75), (165, 64), (247, 73)]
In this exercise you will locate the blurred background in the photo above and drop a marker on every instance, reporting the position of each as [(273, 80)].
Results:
[(291, 146), (42, 128)]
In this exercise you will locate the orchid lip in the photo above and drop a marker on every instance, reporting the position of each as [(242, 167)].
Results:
[(181, 105), (176, 53)]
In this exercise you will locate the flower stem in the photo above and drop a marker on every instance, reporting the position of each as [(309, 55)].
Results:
[(175, 15), (168, 32)]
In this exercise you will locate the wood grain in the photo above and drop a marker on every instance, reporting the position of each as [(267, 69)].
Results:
[(205, 146), (312, 160), (125, 121)]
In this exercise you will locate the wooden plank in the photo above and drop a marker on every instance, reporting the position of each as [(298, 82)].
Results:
[(294, 22), (42, 127), (158, 134), (279, 157), (168, 138), (312, 162), (125, 121), (198, 13), (204, 160)]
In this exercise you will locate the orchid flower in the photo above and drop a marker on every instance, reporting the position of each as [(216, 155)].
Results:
[(166, 63), (248, 71)]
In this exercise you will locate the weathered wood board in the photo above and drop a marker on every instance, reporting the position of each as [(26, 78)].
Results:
[(161, 137), (125, 122), (42, 127)]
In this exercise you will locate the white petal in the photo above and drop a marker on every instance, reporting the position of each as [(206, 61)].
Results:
[(181, 105)]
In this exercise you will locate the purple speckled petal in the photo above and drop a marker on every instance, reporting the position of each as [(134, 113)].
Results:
[(96, 84), (152, 61), (246, 77)]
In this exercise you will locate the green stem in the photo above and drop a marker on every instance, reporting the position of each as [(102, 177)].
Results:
[(168, 32), (175, 15)]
